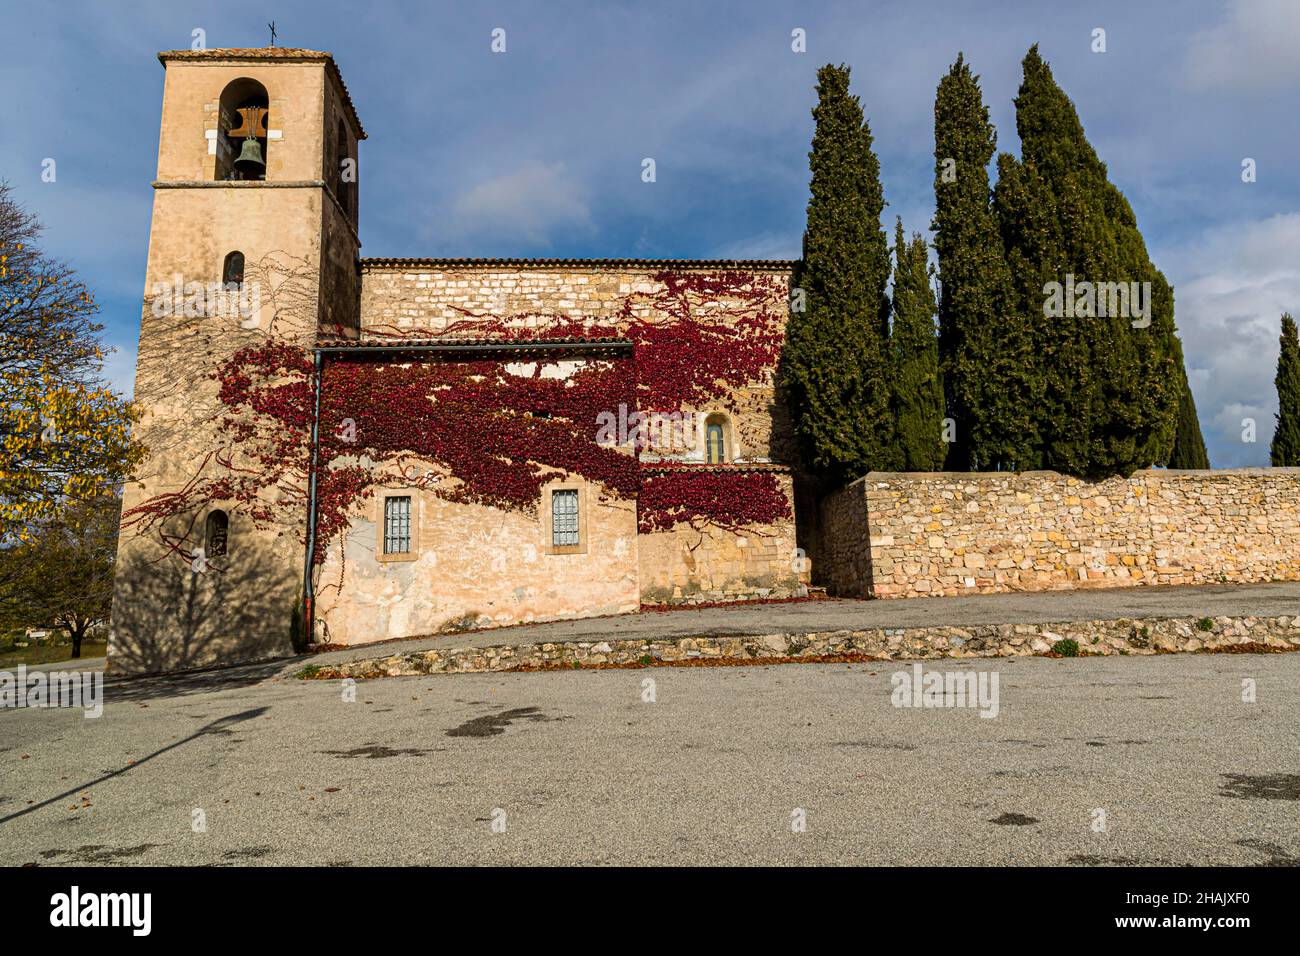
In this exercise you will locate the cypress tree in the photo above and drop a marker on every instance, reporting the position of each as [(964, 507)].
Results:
[(1113, 382), (1285, 449), (918, 388), (985, 352), (836, 362), (1034, 249), (1189, 446)]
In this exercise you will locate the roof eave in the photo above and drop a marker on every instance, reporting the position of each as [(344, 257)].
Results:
[(265, 54), (760, 265)]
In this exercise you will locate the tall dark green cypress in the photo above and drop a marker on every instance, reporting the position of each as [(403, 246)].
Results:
[(918, 387), (985, 351), (1035, 255), (1112, 383), (1285, 449), (1189, 447), (836, 362)]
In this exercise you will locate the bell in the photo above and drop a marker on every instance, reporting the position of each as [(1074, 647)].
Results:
[(250, 161)]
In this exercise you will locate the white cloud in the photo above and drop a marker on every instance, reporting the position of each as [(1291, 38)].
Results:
[(528, 207), (765, 245), (1231, 284), (1257, 48)]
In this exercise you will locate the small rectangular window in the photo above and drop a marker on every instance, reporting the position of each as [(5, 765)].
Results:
[(397, 525), (564, 518)]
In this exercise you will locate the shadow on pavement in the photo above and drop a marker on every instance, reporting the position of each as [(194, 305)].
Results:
[(215, 726), (129, 688)]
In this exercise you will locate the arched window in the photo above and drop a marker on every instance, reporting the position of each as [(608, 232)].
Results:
[(232, 270), (216, 533), (715, 439), (242, 131)]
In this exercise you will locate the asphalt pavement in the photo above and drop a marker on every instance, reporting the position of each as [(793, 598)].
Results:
[(1128, 760)]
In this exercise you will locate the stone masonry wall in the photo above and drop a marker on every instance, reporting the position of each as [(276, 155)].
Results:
[(414, 298), (685, 565), (910, 535), (432, 298)]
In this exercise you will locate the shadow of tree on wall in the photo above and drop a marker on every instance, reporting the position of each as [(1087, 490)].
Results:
[(809, 489), (168, 617)]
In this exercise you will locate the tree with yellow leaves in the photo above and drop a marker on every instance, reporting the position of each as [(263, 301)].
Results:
[(64, 436)]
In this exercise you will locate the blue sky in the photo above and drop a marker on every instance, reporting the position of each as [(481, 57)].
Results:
[(538, 151)]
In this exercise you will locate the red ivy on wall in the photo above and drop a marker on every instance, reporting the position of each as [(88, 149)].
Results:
[(710, 496), (495, 437), (696, 337)]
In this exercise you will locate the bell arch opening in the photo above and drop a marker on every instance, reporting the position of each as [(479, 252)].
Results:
[(242, 139)]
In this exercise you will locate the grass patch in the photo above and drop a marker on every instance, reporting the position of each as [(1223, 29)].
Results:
[(1205, 624), (50, 653), (1066, 647)]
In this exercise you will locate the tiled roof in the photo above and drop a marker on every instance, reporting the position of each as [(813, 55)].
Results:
[(763, 265), (457, 342), (701, 466), (287, 54), (247, 53)]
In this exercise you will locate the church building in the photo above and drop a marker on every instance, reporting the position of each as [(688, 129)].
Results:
[(346, 450)]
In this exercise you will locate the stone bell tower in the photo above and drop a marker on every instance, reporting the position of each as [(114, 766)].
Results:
[(253, 242)]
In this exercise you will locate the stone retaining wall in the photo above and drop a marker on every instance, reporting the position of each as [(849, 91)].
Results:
[(910, 535), (1126, 636)]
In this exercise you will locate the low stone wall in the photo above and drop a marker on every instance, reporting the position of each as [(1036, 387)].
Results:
[(909, 535), (842, 558), (1103, 638)]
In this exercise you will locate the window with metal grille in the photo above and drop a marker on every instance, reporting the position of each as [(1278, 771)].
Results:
[(397, 525), (564, 518)]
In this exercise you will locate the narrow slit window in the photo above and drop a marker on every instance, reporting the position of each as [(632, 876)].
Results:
[(397, 525), (564, 518), (714, 444), (232, 271)]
